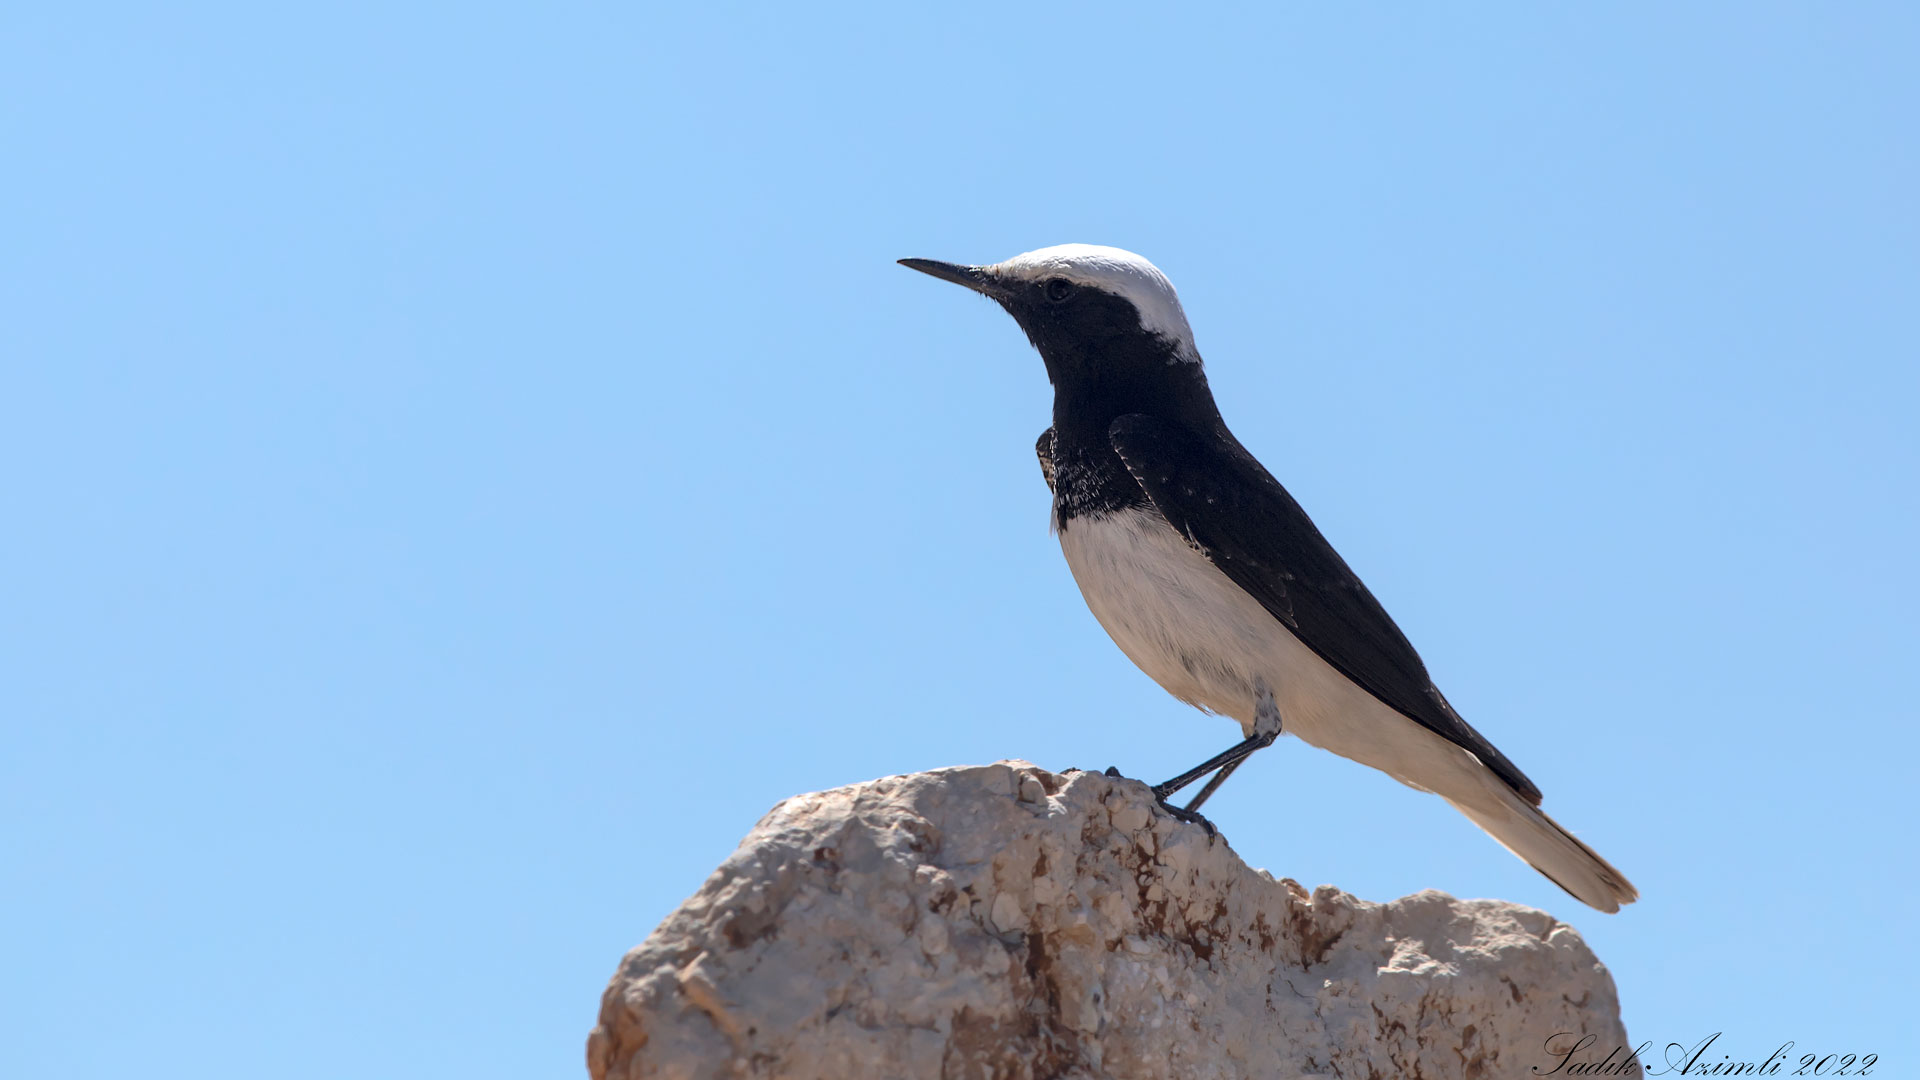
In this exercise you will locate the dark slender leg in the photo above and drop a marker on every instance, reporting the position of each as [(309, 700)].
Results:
[(1266, 728), (1228, 759), (1213, 785)]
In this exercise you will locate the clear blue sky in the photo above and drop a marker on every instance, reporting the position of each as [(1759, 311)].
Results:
[(463, 464)]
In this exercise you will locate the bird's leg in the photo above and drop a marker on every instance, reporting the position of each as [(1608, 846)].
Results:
[(1229, 758), (1266, 728), (1213, 785)]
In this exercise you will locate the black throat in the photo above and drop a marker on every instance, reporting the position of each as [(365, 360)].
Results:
[(1104, 365)]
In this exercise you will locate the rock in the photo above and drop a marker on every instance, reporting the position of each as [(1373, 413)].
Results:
[(1002, 922)]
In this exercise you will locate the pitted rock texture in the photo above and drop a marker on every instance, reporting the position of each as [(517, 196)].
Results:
[(1002, 922)]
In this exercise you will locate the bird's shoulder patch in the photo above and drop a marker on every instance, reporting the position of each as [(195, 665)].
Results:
[(1043, 449)]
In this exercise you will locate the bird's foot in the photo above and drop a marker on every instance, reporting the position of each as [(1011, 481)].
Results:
[(1160, 797), (1181, 813)]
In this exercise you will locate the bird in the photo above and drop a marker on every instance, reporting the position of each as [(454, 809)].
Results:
[(1210, 577)]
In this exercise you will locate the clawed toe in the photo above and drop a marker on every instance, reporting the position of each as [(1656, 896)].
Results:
[(1160, 796), (1181, 813)]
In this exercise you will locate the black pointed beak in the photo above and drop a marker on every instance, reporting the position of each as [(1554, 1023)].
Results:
[(976, 278)]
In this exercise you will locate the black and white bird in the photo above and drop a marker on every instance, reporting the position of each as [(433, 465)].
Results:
[(1213, 580)]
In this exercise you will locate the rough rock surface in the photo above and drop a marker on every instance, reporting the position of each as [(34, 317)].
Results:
[(1005, 922)]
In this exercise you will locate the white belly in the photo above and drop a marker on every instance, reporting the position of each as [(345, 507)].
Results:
[(1193, 631), (1190, 628)]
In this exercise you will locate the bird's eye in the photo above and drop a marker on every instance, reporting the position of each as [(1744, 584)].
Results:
[(1059, 289)]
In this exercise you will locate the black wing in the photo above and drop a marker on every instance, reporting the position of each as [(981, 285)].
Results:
[(1236, 514)]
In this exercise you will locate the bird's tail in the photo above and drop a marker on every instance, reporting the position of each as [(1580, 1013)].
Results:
[(1538, 839)]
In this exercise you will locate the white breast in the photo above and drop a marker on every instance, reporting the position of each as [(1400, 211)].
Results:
[(1193, 631)]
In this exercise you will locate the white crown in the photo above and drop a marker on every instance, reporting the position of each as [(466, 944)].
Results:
[(1119, 272)]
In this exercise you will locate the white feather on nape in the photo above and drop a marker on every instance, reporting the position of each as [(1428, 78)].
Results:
[(1119, 272)]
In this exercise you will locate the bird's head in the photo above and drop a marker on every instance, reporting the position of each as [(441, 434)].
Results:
[(1102, 318)]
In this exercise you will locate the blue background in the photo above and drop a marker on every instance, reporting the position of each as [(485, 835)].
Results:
[(464, 463)]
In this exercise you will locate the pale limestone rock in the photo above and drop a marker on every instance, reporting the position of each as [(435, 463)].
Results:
[(1002, 922)]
